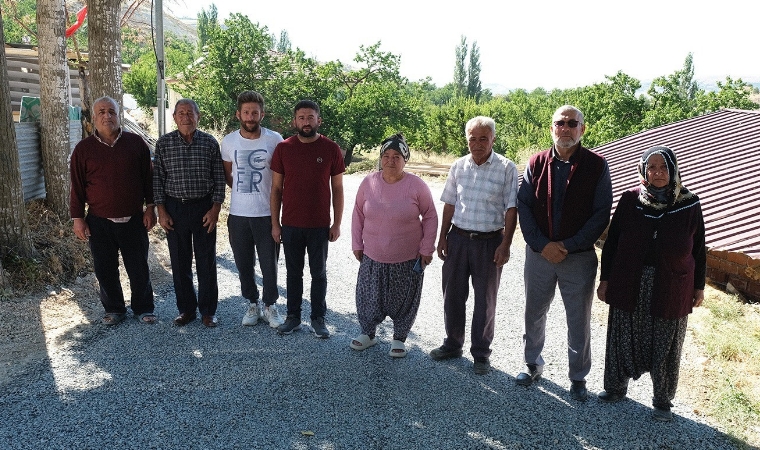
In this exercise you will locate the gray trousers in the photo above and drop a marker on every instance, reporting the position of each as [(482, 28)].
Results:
[(249, 236), (576, 276), (470, 259)]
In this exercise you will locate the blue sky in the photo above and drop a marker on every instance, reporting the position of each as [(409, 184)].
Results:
[(525, 44)]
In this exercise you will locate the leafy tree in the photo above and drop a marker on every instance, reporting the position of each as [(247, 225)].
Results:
[(612, 109), (673, 97), (460, 73), (141, 79), (208, 24), (369, 103), (731, 94), (236, 57), (20, 22), (283, 44), (474, 87)]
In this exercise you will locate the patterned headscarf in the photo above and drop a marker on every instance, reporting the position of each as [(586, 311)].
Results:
[(674, 192), (398, 143)]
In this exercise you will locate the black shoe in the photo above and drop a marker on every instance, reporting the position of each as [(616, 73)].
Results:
[(578, 390), (292, 323), (319, 328), (533, 374), (662, 414), (482, 366), (443, 352), (611, 397)]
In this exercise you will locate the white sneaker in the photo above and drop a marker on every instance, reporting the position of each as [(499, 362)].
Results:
[(272, 315), (251, 316)]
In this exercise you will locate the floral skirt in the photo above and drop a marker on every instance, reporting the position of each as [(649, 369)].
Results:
[(387, 290), (639, 342)]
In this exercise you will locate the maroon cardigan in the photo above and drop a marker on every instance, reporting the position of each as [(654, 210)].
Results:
[(680, 262)]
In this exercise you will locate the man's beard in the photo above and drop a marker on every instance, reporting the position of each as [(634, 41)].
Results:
[(250, 128), (566, 142), (308, 134)]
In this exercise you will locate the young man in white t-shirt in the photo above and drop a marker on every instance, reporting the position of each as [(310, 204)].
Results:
[(247, 154)]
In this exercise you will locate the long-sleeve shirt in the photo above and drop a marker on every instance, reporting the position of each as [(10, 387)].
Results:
[(587, 235), (114, 181), (188, 171), (395, 222)]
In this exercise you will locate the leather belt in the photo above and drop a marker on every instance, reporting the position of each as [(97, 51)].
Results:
[(477, 235), (187, 201)]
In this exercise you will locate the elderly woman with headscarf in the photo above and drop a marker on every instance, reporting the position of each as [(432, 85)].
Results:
[(393, 236), (653, 274)]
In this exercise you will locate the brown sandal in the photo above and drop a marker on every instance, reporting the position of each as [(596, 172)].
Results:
[(111, 319), (147, 318)]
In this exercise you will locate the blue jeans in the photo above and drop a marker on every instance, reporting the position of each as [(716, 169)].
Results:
[(296, 242), (248, 236), (107, 239)]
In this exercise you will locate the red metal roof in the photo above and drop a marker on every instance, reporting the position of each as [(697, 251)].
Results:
[(717, 155)]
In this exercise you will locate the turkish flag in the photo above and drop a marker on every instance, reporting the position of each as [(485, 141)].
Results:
[(80, 20)]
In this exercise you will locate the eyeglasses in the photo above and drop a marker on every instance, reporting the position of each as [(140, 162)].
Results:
[(569, 123)]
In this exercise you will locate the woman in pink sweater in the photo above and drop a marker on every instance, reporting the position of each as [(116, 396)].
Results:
[(393, 233)]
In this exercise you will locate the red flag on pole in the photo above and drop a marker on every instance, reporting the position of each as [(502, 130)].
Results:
[(80, 20)]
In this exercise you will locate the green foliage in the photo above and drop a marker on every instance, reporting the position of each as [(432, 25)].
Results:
[(208, 24), (235, 58), (460, 72), (19, 21), (672, 97), (731, 94), (141, 79), (473, 73)]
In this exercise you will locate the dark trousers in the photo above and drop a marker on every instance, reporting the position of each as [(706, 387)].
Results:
[(248, 236), (468, 258), (107, 239), (191, 237), (296, 242)]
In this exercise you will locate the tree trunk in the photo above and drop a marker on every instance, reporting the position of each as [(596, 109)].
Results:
[(14, 227), (54, 104), (105, 49)]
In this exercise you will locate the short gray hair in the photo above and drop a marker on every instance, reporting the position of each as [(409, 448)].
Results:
[(566, 108), (480, 122), (108, 99)]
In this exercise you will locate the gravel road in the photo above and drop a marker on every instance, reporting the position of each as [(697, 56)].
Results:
[(161, 386)]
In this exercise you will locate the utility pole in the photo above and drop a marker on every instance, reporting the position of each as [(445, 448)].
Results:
[(160, 75)]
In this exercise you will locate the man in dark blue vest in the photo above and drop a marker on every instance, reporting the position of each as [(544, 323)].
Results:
[(564, 206)]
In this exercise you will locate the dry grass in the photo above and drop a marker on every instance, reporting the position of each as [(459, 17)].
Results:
[(60, 256), (726, 334)]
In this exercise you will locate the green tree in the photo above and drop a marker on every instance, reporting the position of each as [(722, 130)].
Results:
[(673, 97), (612, 109), (283, 44), (460, 71), (141, 79), (731, 94), (208, 24), (235, 57), (371, 102), (474, 87), (20, 24)]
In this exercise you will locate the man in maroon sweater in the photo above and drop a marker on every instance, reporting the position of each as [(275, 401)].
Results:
[(111, 173)]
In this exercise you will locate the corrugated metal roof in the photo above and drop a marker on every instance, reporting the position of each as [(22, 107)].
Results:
[(717, 155)]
